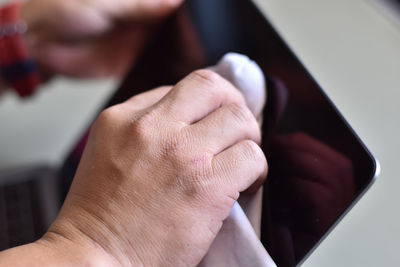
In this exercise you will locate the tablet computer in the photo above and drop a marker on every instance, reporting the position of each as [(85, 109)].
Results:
[(318, 167)]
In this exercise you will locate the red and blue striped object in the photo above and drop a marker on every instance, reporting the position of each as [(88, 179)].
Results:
[(17, 68)]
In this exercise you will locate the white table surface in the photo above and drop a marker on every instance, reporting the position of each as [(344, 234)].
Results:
[(353, 52)]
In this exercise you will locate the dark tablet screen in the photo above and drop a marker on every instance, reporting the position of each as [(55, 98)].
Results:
[(318, 167)]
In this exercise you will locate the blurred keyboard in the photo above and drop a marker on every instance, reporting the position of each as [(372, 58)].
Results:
[(29, 203)]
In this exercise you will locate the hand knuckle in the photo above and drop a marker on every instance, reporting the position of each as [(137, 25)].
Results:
[(256, 156), (241, 113), (253, 151), (141, 127), (207, 76), (109, 116)]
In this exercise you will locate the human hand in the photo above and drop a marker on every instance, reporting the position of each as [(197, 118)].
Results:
[(158, 178), (90, 37)]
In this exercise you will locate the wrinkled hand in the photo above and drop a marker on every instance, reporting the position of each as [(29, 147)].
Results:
[(90, 37), (158, 177)]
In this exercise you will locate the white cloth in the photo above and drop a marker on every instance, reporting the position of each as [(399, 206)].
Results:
[(238, 244)]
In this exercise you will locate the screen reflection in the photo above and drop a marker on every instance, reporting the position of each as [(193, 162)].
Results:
[(317, 167)]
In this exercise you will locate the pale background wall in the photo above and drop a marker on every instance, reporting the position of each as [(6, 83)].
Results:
[(42, 129), (351, 49)]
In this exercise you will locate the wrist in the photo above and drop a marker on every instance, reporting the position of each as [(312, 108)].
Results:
[(55, 250), (74, 250), (62, 250), (93, 235)]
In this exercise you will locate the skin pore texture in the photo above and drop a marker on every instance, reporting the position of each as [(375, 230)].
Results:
[(159, 175), (161, 171)]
